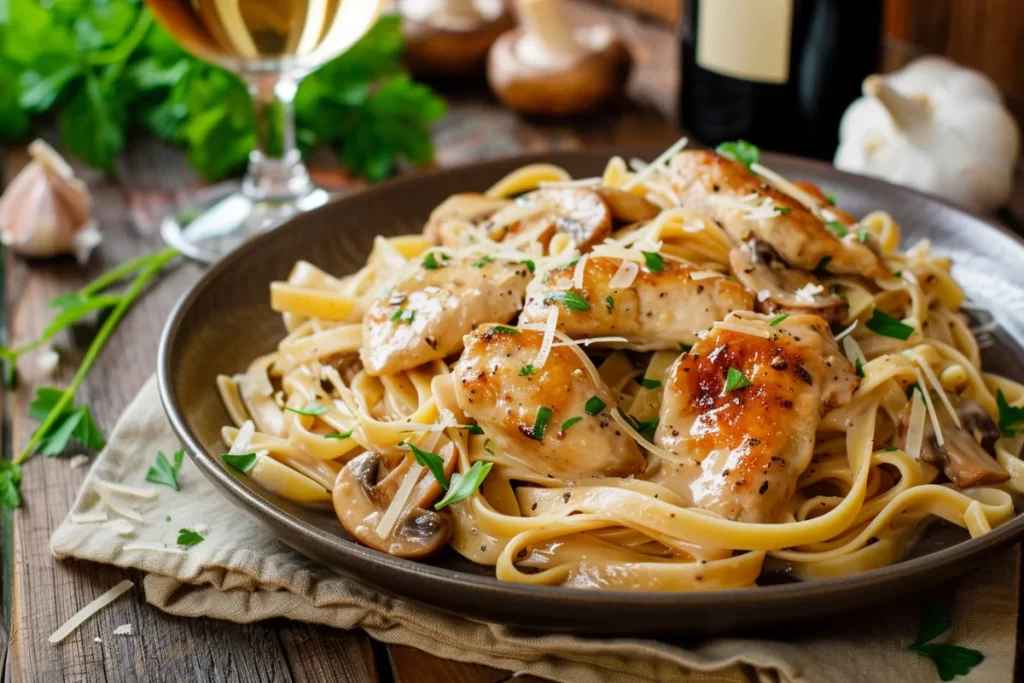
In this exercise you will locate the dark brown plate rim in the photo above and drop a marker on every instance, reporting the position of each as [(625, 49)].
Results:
[(769, 596)]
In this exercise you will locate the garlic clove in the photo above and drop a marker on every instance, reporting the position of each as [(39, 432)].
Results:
[(46, 211)]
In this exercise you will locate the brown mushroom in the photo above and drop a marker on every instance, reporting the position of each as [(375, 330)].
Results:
[(627, 207), (451, 38), (549, 67), (468, 206), (966, 454), (579, 212), (362, 496), (775, 285)]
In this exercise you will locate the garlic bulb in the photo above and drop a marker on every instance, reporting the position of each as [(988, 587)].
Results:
[(934, 126), (46, 210)]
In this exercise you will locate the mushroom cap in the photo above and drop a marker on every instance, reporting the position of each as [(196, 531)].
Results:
[(451, 49), (627, 207), (579, 212), (467, 206), (560, 90), (361, 497)]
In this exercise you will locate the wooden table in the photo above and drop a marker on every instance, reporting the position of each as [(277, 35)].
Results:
[(40, 593)]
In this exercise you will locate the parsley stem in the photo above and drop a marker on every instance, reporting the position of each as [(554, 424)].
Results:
[(125, 269), (147, 273)]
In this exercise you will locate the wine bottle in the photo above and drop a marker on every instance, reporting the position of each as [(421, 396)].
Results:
[(778, 73)]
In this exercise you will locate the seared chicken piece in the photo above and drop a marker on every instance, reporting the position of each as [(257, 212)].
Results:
[(656, 312), (716, 186), (510, 404), (425, 317), (468, 206), (580, 212), (750, 442)]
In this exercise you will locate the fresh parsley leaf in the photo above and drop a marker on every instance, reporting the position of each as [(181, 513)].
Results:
[(594, 405), (570, 422), (73, 422), (463, 486), (573, 301), (396, 316), (774, 322), (430, 262), (735, 379), (890, 449), (484, 260), (831, 198), (685, 348), (531, 265), (243, 462), (504, 329), (782, 210), (649, 383), (863, 236), (339, 435), (93, 122), (888, 326), (71, 314), (741, 151), (950, 660), (1011, 419), (858, 366), (540, 423), (188, 538), (655, 263), (10, 484), (837, 228), (433, 462), (473, 429), (610, 303), (647, 427), (312, 409), (527, 370), (397, 299), (46, 398), (163, 472)]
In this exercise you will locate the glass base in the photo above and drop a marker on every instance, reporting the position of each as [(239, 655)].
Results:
[(222, 218)]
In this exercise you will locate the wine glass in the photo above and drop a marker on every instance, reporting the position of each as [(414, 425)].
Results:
[(271, 45)]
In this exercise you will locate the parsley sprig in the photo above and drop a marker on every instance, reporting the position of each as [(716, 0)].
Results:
[(163, 472), (1011, 418), (950, 660), (741, 151)]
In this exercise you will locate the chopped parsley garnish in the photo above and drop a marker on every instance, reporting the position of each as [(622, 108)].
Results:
[(188, 538), (463, 486), (505, 329), (822, 264), (774, 322), (888, 326), (863, 236), (406, 314), (649, 383), (72, 422), (782, 210), (741, 151), (838, 228), (432, 461), (339, 435), (831, 199), (654, 262), (473, 429), (445, 257), (430, 262), (531, 265), (594, 405), (484, 260), (243, 462), (858, 366), (163, 472), (890, 449), (735, 379), (570, 422), (1011, 418), (312, 409), (396, 315), (540, 423), (574, 301), (950, 660), (685, 348), (527, 370), (610, 303), (646, 428)]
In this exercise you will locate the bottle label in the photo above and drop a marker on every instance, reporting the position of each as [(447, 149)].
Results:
[(746, 39)]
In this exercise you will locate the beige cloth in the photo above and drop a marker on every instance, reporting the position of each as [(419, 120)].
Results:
[(243, 574)]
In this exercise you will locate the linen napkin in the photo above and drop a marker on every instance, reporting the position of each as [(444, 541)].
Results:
[(241, 573)]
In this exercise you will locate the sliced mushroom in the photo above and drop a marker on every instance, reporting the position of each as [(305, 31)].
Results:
[(966, 456), (362, 496), (581, 213), (626, 206), (550, 67), (467, 206), (781, 289), (451, 38)]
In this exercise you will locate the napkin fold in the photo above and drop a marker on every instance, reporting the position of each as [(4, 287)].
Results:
[(241, 573)]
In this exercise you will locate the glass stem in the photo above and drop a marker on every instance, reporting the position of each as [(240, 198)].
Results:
[(276, 172)]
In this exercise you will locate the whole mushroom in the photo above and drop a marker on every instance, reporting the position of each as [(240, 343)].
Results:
[(549, 67), (451, 38)]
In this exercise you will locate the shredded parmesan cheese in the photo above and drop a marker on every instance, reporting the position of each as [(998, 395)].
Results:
[(847, 331), (638, 437), (47, 360), (625, 275), (915, 429), (853, 350), (388, 252), (783, 185), (808, 292), (123, 630), (143, 492), (108, 499), (753, 206), (937, 386), (121, 527), (658, 163), (931, 408), (549, 337), (514, 213), (390, 518), (579, 271), (153, 548), (89, 517), (79, 460), (92, 608), (763, 295), (240, 446), (704, 275), (592, 340)]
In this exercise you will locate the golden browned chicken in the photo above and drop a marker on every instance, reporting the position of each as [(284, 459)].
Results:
[(425, 317), (747, 207), (657, 311), (745, 407), (555, 419)]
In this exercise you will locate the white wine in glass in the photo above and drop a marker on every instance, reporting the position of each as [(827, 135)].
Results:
[(271, 45)]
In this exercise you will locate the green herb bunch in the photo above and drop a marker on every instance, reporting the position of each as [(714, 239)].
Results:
[(105, 70)]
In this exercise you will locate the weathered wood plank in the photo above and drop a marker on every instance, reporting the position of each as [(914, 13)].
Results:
[(317, 653)]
